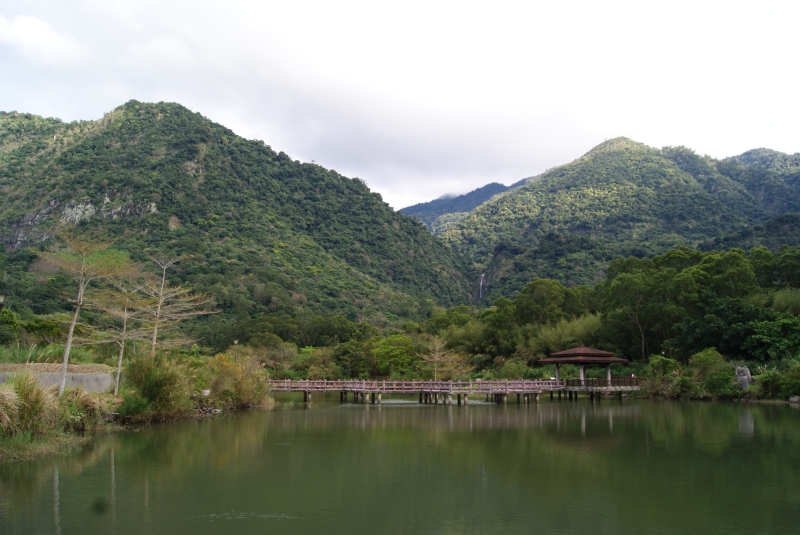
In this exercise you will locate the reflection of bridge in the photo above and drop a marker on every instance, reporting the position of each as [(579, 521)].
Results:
[(443, 391)]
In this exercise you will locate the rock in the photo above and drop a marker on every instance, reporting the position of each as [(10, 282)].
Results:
[(794, 399), (743, 377)]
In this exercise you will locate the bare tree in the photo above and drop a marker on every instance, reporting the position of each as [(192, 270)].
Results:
[(444, 362), (86, 260), (169, 304), (126, 307)]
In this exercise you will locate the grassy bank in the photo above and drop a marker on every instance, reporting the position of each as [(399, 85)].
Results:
[(35, 421)]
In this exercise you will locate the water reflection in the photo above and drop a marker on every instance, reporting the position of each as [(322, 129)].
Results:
[(401, 467)]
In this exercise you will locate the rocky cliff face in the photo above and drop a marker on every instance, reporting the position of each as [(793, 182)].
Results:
[(36, 226)]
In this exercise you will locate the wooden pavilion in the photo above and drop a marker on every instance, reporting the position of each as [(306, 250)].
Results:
[(583, 356)]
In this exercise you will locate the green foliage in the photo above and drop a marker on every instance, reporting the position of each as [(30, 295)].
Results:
[(715, 374), (159, 389), (395, 356), (9, 326)]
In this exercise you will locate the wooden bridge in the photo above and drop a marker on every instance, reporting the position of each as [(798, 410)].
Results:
[(364, 391)]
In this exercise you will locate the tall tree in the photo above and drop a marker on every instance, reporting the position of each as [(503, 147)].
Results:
[(169, 304), (85, 260), (126, 307)]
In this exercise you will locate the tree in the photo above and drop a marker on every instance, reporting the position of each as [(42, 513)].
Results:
[(86, 260), (444, 362), (169, 304), (125, 305)]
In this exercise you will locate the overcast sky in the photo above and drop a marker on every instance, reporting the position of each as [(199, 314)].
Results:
[(422, 98)]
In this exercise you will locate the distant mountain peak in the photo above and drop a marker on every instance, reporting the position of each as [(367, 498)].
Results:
[(617, 144), (429, 212)]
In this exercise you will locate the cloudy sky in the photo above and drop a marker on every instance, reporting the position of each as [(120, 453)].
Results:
[(422, 98)]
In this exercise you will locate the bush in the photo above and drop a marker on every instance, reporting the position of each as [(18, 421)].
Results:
[(769, 384), (790, 381), (714, 374), (79, 410), (133, 405), (164, 386)]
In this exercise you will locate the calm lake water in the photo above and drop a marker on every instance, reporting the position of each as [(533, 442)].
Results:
[(571, 467)]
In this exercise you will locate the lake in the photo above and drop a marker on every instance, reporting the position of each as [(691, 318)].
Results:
[(621, 467)]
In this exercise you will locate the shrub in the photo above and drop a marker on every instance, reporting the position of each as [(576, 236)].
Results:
[(790, 381), (715, 375), (162, 383), (80, 410), (769, 384)]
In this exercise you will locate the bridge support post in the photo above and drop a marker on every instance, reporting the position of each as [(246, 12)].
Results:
[(591, 396), (379, 397), (487, 397), (518, 399), (570, 395), (559, 395), (458, 399), (449, 399), (505, 399), (466, 399), (537, 398), (420, 398), (551, 396)]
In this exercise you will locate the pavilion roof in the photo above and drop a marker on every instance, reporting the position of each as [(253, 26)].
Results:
[(583, 355)]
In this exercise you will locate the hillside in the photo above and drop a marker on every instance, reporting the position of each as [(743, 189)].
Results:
[(621, 198), (774, 234), (431, 213), (259, 231)]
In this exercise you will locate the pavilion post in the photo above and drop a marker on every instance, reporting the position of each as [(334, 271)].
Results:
[(608, 374), (558, 372)]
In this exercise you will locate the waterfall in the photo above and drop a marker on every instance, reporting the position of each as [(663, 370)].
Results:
[(480, 287)]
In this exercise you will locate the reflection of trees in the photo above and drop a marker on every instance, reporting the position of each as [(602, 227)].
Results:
[(392, 459)]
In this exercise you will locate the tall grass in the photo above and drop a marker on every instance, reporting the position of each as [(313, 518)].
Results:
[(43, 354)]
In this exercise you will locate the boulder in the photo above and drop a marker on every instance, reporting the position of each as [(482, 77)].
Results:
[(743, 377)]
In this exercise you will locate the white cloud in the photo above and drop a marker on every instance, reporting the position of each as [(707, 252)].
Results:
[(162, 50), (37, 41)]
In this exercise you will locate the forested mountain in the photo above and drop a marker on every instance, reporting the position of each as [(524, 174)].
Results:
[(453, 208), (258, 231), (620, 199)]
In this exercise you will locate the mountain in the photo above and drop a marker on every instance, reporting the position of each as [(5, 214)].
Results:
[(621, 198), (439, 214), (258, 230)]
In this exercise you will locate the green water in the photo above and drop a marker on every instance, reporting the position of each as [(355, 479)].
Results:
[(569, 467)]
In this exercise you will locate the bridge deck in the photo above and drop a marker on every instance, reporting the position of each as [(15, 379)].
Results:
[(432, 391)]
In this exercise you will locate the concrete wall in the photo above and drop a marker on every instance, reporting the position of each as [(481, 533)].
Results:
[(91, 382)]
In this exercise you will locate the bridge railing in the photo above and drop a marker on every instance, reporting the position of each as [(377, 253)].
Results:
[(446, 387)]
